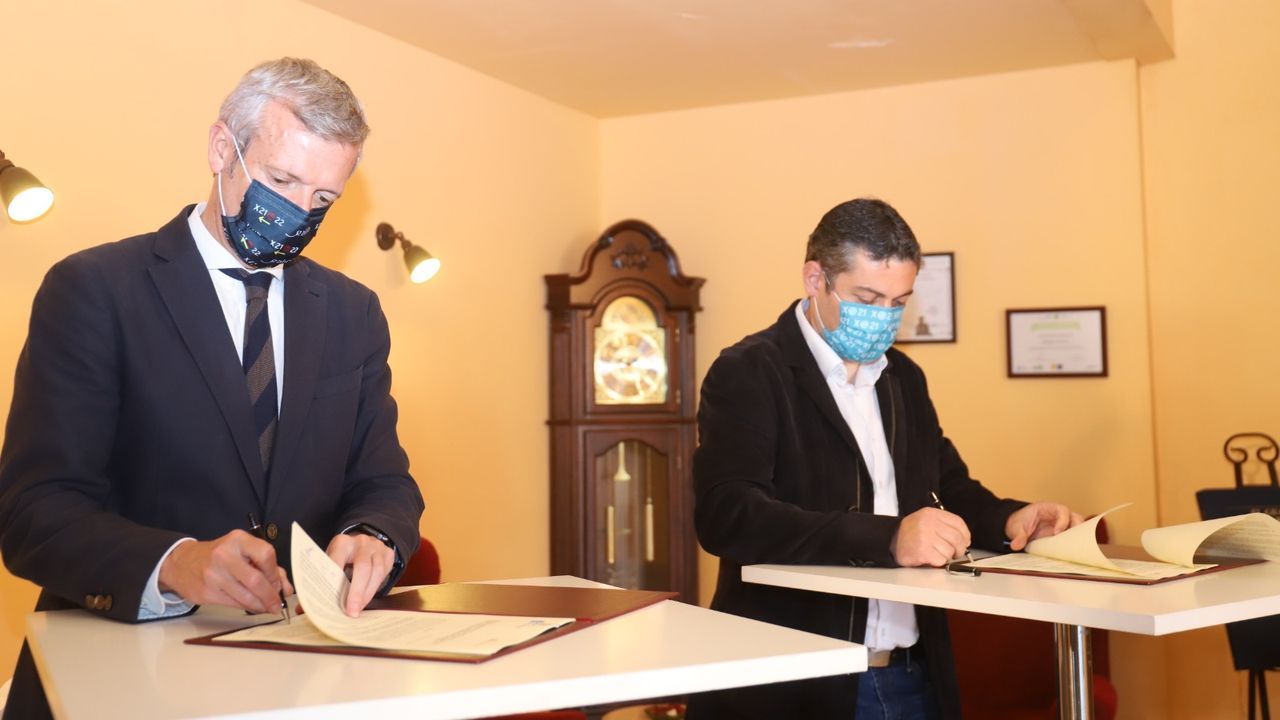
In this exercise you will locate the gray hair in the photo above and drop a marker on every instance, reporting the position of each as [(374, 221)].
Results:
[(319, 99), (864, 224)]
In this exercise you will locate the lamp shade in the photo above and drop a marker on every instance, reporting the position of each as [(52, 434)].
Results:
[(25, 198), (422, 266)]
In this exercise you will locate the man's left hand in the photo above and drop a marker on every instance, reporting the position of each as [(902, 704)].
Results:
[(1037, 520), (370, 562)]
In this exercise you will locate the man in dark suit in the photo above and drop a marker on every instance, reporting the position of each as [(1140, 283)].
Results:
[(818, 444), (185, 395)]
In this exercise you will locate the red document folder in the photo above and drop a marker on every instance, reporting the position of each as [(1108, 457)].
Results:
[(587, 605)]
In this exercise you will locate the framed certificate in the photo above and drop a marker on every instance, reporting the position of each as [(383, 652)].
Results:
[(930, 314), (1057, 342)]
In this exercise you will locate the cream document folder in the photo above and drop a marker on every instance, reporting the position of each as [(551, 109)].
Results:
[(322, 590), (1076, 551)]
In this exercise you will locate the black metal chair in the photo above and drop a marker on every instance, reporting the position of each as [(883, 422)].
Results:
[(1255, 644)]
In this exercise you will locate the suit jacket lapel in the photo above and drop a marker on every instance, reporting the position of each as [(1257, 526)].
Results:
[(184, 286), (797, 354), (305, 311), (893, 415)]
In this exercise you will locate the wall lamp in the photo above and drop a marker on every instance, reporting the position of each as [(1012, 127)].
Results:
[(25, 198), (422, 266)]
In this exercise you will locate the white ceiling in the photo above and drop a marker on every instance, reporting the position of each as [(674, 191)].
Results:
[(622, 57)]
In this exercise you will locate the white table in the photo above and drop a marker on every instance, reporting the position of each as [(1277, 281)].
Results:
[(95, 668), (1073, 606)]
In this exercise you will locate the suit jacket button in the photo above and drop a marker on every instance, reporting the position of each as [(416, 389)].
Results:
[(89, 602), (272, 531), (106, 603)]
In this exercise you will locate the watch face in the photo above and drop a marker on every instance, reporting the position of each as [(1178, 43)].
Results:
[(630, 355)]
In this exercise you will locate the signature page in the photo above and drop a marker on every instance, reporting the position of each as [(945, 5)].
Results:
[(298, 631)]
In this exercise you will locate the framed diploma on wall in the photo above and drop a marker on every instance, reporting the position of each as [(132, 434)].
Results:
[(930, 314), (1057, 342)]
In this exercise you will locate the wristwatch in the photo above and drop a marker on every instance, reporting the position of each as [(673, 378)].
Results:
[(397, 564)]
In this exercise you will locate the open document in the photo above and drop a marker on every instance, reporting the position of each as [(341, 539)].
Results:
[(1172, 551), (322, 590)]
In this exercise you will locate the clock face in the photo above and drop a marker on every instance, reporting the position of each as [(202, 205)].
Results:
[(630, 360)]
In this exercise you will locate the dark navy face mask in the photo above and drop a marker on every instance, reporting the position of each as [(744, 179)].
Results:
[(270, 230)]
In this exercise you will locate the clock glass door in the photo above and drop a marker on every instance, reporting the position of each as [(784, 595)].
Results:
[(630, 355), (632, 524)]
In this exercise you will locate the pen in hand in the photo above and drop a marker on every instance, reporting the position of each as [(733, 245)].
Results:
[(937, 502), (260, 533)]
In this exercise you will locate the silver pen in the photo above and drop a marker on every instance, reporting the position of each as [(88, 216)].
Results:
[(261, 533), (937, 502)]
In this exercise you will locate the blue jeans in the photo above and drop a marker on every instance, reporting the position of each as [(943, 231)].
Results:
[(897, 692)]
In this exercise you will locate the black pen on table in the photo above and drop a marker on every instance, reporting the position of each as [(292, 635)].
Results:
[(261, 533), (937, 502)]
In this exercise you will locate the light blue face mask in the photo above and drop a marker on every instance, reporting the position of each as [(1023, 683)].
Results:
[(865, 332)]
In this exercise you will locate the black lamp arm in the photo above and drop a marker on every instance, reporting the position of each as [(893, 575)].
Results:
[(389, 236)]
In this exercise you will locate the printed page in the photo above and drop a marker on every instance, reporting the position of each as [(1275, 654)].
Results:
[(1024, 562), (1078, 545), (1126, 569), (298, 631), (1253, 535), (1152, 570), (322, 588)]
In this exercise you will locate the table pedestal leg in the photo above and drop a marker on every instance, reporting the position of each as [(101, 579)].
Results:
[(1075, 672)]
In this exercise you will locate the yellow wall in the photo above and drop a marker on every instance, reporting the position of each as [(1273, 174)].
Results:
[(1211, 142), (1032, 179), (1150, 191), (495, 181), (1089, 184), (1033, 222)]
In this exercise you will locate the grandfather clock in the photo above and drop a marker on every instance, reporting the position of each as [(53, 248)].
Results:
[(622, 414)]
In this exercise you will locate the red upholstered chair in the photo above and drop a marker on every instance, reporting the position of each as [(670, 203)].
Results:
[(423, 568), (1007, 667)]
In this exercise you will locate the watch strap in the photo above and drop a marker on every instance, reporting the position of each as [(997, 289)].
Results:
[(397, 563)]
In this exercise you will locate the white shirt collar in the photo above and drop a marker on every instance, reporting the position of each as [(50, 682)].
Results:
[(829, 362), (216, 256)]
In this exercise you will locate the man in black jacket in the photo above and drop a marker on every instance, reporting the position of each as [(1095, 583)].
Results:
[(819, 445)]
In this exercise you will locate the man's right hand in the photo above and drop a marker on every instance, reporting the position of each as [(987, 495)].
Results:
[(237, 569), (930, 536)]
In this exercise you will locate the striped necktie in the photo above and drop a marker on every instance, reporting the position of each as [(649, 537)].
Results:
[(259, 359)]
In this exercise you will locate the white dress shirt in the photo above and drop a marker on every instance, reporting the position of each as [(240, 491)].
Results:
[(232, 299), (889, 624)]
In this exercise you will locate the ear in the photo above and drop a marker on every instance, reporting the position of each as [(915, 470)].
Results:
[(221, 152), (814, 282)]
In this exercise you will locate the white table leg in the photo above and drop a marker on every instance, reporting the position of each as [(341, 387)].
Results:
[(1075, 672)]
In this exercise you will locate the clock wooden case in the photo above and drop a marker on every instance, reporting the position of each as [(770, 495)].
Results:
[(622, 414)]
